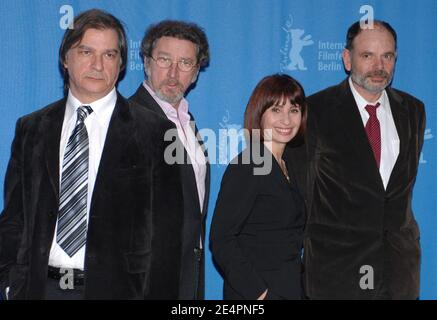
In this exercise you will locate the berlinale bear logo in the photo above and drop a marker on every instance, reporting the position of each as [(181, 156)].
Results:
[(292, 54)]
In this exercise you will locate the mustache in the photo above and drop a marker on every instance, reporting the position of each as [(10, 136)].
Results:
[(95, 75), (378, 73), (171, 82)]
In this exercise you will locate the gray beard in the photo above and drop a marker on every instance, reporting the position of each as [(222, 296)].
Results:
[(361, 81), (172, 100)]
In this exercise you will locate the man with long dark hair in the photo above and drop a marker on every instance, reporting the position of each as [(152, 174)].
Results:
[(86, 215)]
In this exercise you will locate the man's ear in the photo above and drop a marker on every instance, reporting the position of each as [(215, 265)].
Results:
[(195, 76), (65, 63), (347, 59), (146, 62)]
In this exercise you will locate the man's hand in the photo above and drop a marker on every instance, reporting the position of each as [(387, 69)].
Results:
[(263, 296)]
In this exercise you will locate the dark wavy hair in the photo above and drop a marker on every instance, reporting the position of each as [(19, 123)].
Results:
[(180, 30), (273, 90), (91, 19)]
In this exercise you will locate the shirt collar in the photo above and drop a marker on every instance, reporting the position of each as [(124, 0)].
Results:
[(180, 114), (102, 108), (362, 103)]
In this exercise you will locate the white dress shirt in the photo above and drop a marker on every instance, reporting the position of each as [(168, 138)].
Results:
[(97, 124), (181, 118), (389, 134)]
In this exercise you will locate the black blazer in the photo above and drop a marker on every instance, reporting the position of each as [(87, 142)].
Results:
[(133, 243), (192, 285), (257, 232), (352, 220)]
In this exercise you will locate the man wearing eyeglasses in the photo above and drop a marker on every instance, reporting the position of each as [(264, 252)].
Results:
[(173, 53)]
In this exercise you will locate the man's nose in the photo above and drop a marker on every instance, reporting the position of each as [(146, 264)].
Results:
[(98, 62), (379, 63), (173, 71)]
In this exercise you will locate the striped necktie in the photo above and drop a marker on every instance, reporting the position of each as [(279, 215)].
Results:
[(72, 216)]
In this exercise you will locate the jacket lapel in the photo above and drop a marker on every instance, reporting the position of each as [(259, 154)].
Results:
[(400, 116), (119, 132), (51, 126), (276, 173), (207, 173), (351, 124)]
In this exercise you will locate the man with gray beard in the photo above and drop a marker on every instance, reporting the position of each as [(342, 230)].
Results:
[(363, 145), (174, 52)]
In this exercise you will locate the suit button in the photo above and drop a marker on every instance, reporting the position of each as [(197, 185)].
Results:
[(198, 253), (43, 252)]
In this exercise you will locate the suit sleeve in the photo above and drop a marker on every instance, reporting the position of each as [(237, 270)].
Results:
[(422, 124), (235, 201), (167, 211), (11, 219), (312, 144)]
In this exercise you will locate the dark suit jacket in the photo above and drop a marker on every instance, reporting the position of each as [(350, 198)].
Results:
[(133, 241), (352, 220), (192, 282), (257, 232)]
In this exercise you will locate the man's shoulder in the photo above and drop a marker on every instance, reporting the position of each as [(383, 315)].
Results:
[(327, 93), (328, 97), (400, 98), (139, 95), (144, 99), (48, 109), (149, 120), (404, 96)]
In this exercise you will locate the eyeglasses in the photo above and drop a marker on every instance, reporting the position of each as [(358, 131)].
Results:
[(184, 65)]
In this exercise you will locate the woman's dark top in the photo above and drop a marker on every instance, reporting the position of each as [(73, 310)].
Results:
[(257, 231)]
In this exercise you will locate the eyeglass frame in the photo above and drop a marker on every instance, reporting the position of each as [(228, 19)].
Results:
[(172, 62)]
